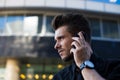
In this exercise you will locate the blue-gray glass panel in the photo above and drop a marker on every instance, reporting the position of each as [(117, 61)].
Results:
[(95, 27), (2, 24), (49, 28), (14, 25), (110, 29)]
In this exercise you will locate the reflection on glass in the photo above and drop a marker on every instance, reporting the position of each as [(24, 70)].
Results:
[(2, 24), (30, 25), (110, 29), (49, 29), (14, 25)]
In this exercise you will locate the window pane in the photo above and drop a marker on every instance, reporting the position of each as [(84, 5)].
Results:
[(2, 24), (110, 29), (30, 25), (14, 25), (38, 22), (95, 27), (49, 29)]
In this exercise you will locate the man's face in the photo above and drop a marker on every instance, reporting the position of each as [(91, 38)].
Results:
[(63, 43)]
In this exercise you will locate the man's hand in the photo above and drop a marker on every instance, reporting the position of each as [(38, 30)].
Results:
[(82, 50)]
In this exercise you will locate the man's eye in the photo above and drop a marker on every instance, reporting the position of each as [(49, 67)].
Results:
[(61, 38)]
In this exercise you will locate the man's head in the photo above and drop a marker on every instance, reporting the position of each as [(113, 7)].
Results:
[(66, 26)]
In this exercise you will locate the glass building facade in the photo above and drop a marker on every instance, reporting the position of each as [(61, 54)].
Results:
[(30, 36), (41, 25), (27, 38)]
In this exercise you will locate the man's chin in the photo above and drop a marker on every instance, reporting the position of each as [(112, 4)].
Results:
[(68, 58)]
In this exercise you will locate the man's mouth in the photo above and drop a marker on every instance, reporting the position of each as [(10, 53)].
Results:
[(60, 51)]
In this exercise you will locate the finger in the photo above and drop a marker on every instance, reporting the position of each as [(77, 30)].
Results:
[(76, 44), (76, 39), (72, 51), (81, 37)]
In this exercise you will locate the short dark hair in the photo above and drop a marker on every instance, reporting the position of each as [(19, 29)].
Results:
[(75, 23)]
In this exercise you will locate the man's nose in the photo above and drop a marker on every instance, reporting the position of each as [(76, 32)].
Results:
[(57, 45)]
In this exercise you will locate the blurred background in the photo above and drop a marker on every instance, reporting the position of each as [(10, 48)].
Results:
[(27, 39)]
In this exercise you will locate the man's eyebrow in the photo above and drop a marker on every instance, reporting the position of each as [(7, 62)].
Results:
[(59, 37)]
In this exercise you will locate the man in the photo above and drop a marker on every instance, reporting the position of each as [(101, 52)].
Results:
[(86, 65)]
